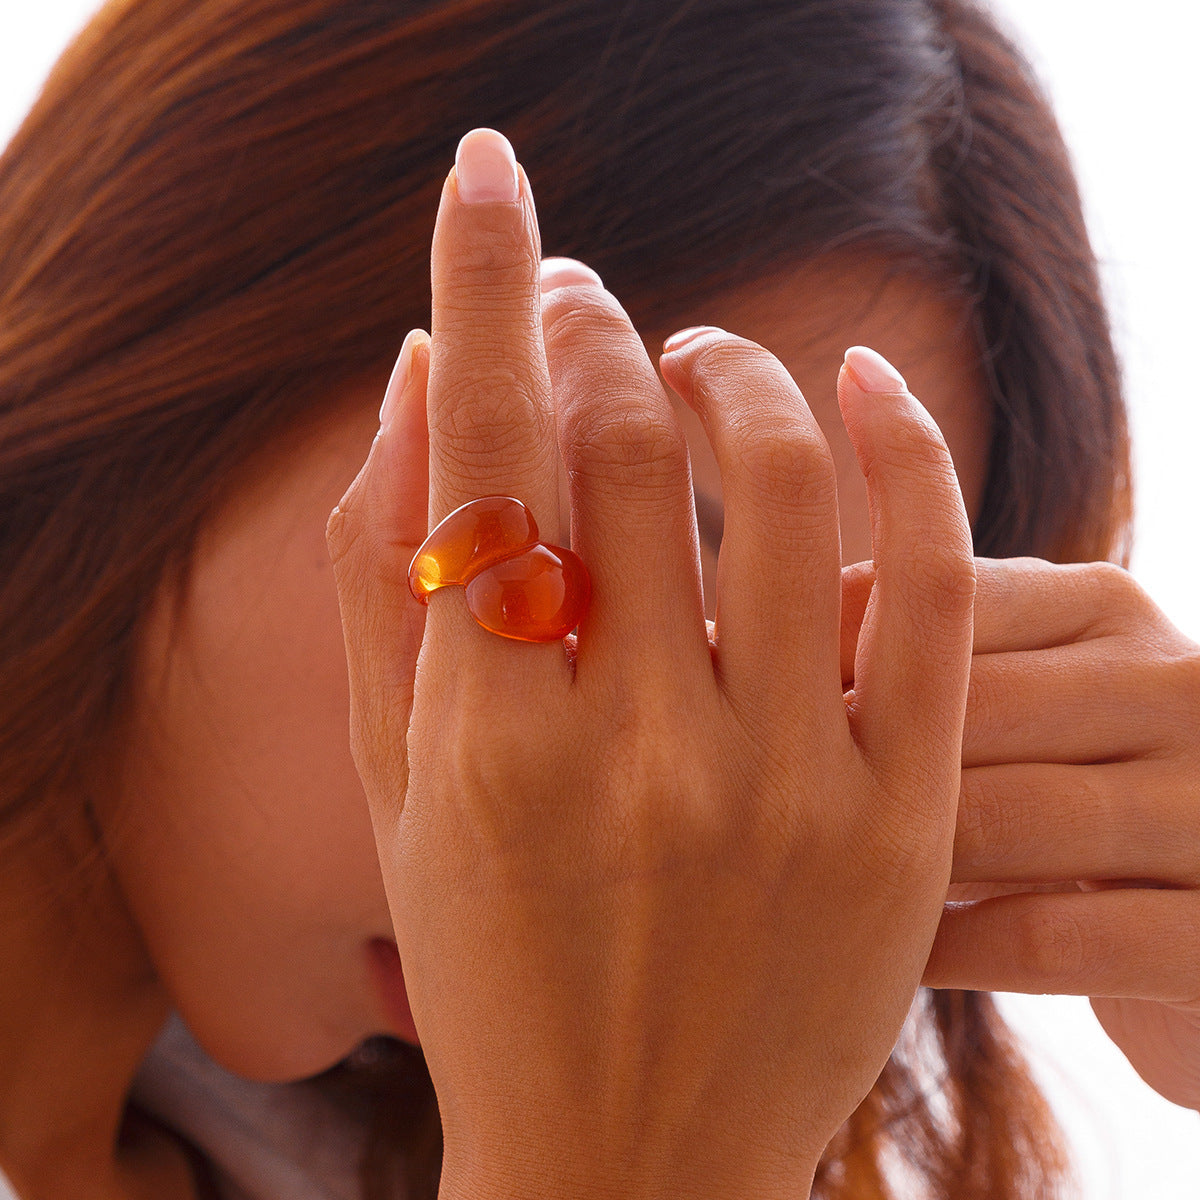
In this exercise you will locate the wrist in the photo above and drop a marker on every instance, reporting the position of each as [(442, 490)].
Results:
[(561, 1177)]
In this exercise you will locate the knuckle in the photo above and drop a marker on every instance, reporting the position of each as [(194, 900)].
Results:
[(494, 417), (893, 850), (644, 732), (1122, 598), (1180, 679), (497, 264), (941, 577), (614, 435), (725, 361), (363, 553), (1109, 577), (1189, 681), (912, 468), (343, 532), (989, 709), (372, 746), (642, 742), (781, 456), (1052, 944), (916, 444), (582, 318), (982, 813), (483, 762), (1087, 803)]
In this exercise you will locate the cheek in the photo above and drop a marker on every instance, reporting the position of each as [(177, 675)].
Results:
[(247, 854), (854, 512)]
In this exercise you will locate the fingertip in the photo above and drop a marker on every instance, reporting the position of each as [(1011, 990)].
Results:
[(685, 337), (402, 444), (558, 272), (679, 355), (485, 168), (872, 373), (676, 376), (866, 379), (402, 375), (415, 426), (877, 403)]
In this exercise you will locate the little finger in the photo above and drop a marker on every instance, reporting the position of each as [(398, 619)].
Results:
[(914, 648), (1140, 943)]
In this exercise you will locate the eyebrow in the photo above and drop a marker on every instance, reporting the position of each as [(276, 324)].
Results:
[(710, 519)]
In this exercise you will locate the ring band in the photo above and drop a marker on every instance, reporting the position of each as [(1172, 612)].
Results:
[(517, 585)]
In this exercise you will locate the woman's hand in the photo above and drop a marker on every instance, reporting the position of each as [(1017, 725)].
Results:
[(662, 909), (1081, 764)]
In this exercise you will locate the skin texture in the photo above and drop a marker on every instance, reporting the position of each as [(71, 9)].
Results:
[(667, 1045), (254, 812), (245, 878), (245, 881)]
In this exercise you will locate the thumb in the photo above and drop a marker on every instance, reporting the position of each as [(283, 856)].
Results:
[(372, 534)]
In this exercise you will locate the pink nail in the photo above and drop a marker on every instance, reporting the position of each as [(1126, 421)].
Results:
[(485, 168), (873, 373), (401, 373), (564, 272), (678, 340)]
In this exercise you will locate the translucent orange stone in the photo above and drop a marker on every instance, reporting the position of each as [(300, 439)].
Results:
[(517, 586), (538, 595), (471, 538)]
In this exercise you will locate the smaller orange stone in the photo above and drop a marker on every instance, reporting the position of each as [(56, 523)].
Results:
[(538, 595)]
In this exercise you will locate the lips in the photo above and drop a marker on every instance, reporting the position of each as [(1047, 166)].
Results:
[(388, 977)]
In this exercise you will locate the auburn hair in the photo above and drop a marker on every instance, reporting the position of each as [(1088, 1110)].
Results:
[(219, 211)]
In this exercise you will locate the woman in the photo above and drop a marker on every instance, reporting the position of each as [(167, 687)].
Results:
[(213, 234)]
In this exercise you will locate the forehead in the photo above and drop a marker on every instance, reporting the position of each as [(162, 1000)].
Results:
[(808, 317)]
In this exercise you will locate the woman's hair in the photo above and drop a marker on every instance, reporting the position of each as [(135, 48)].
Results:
[(218, 214)]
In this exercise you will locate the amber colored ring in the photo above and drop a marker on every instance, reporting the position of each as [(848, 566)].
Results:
[(517, 585)]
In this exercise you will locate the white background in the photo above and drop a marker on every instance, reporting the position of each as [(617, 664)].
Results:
[(1123, 76)]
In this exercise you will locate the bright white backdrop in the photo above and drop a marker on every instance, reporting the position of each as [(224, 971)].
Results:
[(1123, 77)]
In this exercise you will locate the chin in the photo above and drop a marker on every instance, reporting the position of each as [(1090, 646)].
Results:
[(274, 1048)]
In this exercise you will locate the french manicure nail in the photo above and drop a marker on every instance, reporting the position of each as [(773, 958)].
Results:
[(873, 373), (564, 272), (678, 340), (485, 168), (401, 374)]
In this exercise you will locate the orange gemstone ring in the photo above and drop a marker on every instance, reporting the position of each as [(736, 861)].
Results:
[(516, 584)]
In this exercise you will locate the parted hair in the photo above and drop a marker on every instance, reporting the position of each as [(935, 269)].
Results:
[(218, 212)]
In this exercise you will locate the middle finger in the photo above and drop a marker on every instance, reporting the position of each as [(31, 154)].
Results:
[(491, 425)]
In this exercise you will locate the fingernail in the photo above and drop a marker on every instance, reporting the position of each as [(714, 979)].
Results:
[(872, 372), (485, 168), (563, 272), (401, 374), (678, 340)]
